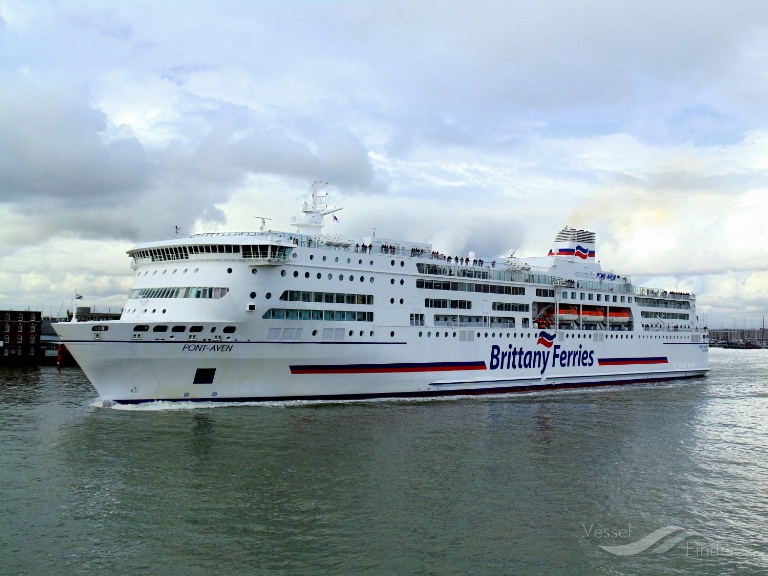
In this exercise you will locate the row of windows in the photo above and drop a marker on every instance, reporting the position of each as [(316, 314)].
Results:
[(323, 315), (19, 339), (177, 328), (32, 316), (598, 297), (471, 287), (327, 297), (492, 321), (665, 315), (440, 303), (179, 292), (545, 293), (17, 351), (510, 307), (183, 252), (654, 303), (266, 251), (20, 327)]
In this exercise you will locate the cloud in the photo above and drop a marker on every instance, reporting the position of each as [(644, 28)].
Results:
[(483, 126)]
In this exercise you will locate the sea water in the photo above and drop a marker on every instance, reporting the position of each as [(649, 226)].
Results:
[(669, 478)]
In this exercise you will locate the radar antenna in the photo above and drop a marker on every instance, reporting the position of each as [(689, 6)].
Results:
[(263, 222)]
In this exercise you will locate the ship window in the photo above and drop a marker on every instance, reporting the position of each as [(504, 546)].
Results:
[(178, 329), (229, 329), (160, 328), (98, 328), (140, 328), (195, 328)]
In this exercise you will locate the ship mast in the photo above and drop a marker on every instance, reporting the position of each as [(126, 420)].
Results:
[(314, 211)]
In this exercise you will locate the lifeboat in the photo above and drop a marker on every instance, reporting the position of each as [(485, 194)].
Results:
[(544, 322), (618, 316), (594, 315), (567, 314)]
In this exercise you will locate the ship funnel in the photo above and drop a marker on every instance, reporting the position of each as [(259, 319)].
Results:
[(574, 245)]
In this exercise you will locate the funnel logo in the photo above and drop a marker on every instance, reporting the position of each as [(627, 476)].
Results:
[(661, 540), (582, 252), (546, 339)]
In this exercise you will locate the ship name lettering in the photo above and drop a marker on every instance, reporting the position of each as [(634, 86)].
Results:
[(206, 348)]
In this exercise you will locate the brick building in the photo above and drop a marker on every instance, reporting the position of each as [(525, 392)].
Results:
[(21, 337)]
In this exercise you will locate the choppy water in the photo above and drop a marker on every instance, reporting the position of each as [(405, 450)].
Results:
[(527, 484)]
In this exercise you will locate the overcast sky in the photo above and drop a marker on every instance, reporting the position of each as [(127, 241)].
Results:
[(479, 126)]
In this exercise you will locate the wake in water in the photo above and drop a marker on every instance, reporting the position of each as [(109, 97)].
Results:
[(164, 405)]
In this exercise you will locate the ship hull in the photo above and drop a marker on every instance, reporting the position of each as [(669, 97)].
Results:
[(124, 370)]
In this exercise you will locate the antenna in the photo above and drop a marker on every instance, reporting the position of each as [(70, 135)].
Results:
[(263, 222)]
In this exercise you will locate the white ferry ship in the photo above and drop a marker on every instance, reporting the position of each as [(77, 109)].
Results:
[(249, 316)]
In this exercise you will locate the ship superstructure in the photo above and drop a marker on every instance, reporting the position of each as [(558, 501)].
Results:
[(247, 316)]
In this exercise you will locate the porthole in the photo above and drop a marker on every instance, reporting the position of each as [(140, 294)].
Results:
[(392, 263), (362, 333), (163, 310), (319, 275), (314, 332), (311, 256), (429, 334), (253, 295), (371, 262), (295, 273), (268, 295), (402, 263), (174, 271), (196, 270), (164, 271), (362, 278), (253, 271), (229, 270), (402, 282), (392, 281), (330, 276), (306, 274), (351, 278), (323, 258), (337, 258), (493, 335), (341, 276), (391, 300), (486, 334), (420, 334), (401, 300), (437, 334), (294, 254), (478, 334), (370, 333), (350, 332), (392, 334), (360, 262), (371, 279)]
